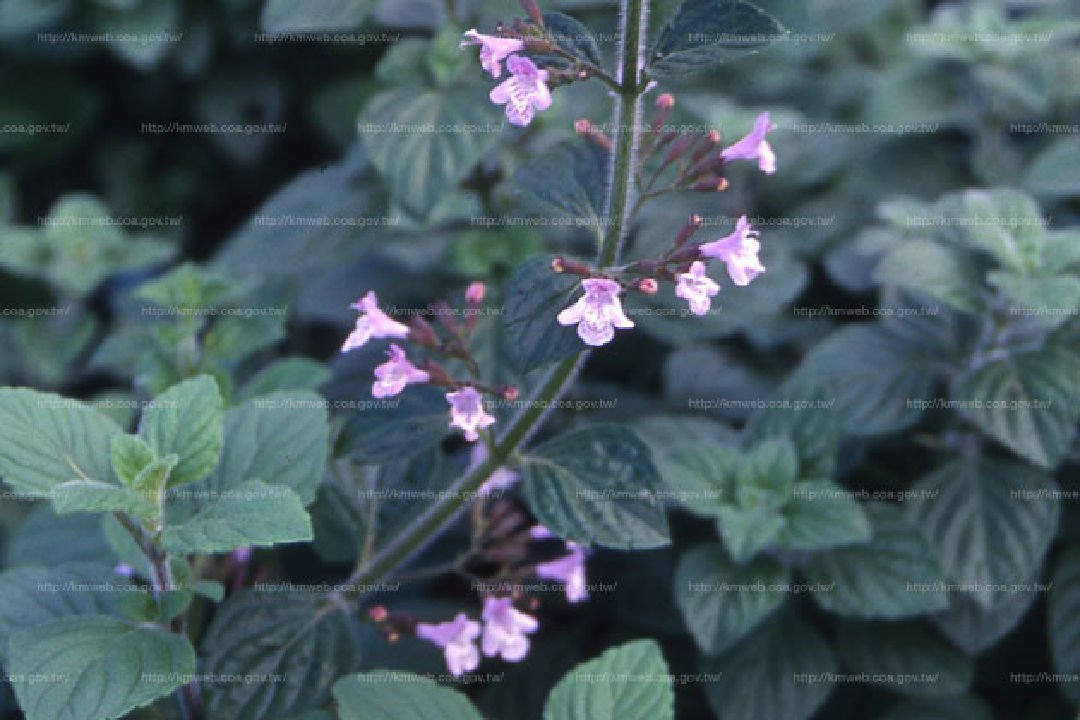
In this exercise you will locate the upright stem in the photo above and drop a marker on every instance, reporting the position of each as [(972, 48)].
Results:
[(433, 520)]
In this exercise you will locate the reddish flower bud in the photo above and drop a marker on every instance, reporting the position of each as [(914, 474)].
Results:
[(586, 129), (533, 11), (710, 184), (649, 286), (538, 45), (475, 292), (510, 392), (665, 101), (421, 333), (679, 148), (557, 265), (379, 613)]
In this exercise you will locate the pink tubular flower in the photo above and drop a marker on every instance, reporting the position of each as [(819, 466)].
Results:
[(393, 375), (493, 50), (739, 251), (697, 288), (524, 92), (598, 313), (754, 147), (467, 412), (457, 639), (372, 323), (505, 629), (569, 569)]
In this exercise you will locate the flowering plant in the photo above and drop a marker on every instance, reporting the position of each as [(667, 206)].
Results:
[(633, 364)]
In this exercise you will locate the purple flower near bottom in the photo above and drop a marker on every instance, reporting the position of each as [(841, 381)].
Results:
[(739, 251), (457, 638), (524, 92), (598, 313), (505, 628)]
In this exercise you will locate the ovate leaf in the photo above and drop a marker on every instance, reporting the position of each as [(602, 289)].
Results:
[(535, 295), (186, 421), (703, 33), (384, 695), (597, 486), (611, 687)]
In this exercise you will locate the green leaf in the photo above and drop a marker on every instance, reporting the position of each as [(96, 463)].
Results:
[(283, 16), (894, 576), (908, 657), (822, 515), (1055, 172), (572, 37), (1029, 402), (1053, 300), (782, 671), (47, 440), (1064, 615), (748, 531), (153, 478), (186, 421), (990, 523), (45, 538), (22, 17), (34, 596), (250, 513), (942, 273), (296, 637), (566, 182), (130, 455), (704, 33), (210, 589), (94, 667), (809, 420), (94, 496), (766, 476), (535, 295), (172, 604), (291, 373), (154, 22), (384, 695), (597, 486), (874, 373), (621, 684), (1006, 224), (279, 439), (422, 164), (700, 476), (974, 628), (721, 601), (415, 421)]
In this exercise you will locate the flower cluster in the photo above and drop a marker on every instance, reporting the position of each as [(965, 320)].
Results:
[(503, 629), (698, 163), (465, 398)]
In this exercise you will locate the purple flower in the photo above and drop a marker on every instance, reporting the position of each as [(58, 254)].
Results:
[(524, 92), (569, 569), (598, 313), (372, 323), (739, 251), (124, 569), (241, 555), (754, 147), (505, 628), (697, 288), (457, 638), (393, 375), (492, 49), (467, 412)]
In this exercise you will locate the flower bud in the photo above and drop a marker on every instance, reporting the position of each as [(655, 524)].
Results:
[(538, 45), (510, 392), (710, 184), (679, 148), (665, 102), (475, 292), (533, 11), (378, 613), (664, 105), (686, 231), (584, 128), (649, 286), (557, 265), (421, 333)]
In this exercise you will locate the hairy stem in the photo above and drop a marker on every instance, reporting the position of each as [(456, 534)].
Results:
[(619, 205)]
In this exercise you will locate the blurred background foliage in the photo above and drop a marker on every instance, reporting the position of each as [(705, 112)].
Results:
[(888, 111)]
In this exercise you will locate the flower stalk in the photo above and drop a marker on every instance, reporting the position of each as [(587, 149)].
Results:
[(630, 87)]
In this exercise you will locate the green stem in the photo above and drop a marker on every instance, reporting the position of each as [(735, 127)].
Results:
[(619, 205)]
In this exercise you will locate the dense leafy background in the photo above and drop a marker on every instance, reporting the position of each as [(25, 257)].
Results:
[(922, 244)]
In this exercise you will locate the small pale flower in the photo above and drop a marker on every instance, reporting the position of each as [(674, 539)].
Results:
[(505, 628), (457, 638), (241, 555), (754, 146), (393, 375), (500, 480), (493, 50), (739, 251), (598, 313), (467, 412), (475, 292), (697, 288), (123, 569), (372, 323), (524, 92), (569, 569)]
